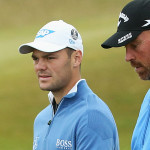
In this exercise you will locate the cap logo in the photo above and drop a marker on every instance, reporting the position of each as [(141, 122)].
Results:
[(74, 34), (124, 38), (146, 24), (43, 32), (71, 41), (124, 17)]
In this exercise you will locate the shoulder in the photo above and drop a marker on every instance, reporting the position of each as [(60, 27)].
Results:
[(95, 104), (98, 118)]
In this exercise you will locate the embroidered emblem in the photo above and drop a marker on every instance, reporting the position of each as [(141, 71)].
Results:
[(74, 34), (124, 17), (35, 143), (63, 144)]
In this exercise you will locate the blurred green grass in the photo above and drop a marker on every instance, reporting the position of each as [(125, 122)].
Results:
[(106, 71)]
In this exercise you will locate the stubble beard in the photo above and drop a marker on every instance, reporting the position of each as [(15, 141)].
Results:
[(56, 86), (145, 74)]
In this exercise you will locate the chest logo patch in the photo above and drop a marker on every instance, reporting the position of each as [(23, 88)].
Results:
[(63, 144)]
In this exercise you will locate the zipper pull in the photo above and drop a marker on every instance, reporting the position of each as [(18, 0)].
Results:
[(49, 122)]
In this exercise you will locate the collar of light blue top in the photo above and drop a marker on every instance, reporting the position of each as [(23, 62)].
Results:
[(70, 94)]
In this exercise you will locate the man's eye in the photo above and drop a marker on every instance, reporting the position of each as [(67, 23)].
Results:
[(134, 46), (34, 58), (49, 58)]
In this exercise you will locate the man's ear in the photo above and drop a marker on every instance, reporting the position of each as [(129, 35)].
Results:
[(77, 58)]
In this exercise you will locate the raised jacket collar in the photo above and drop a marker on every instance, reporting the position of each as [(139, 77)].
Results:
[(71, 93)]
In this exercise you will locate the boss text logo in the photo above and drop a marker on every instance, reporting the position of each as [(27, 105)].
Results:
[(63, 144)]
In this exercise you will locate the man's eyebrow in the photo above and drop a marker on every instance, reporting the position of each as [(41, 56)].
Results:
[(43, 56), (46, 55), (136, 41), (33, 56)]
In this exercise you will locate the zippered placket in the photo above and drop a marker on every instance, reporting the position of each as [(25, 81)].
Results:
[(53, 116)]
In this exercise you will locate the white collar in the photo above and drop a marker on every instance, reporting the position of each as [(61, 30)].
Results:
[(73, 90)]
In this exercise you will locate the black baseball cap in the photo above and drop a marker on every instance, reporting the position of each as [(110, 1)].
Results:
[(133, 19)]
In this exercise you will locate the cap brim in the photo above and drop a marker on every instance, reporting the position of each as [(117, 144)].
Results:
[(120, 38), (41, 46)]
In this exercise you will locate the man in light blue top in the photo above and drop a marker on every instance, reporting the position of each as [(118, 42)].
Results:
[(134, 33), (76, 119)]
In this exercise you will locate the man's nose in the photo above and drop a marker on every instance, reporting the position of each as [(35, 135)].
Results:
[(41, 65), (129, 54)]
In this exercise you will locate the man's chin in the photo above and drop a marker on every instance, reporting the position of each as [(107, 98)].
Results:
[(144, 76), (44, 88)]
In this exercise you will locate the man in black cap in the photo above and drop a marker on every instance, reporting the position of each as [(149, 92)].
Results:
[(134, 33)]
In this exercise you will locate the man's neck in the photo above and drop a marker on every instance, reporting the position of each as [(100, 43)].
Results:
[(61, 93)]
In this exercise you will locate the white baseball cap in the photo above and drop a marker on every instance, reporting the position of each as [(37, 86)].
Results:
[(54, 36)]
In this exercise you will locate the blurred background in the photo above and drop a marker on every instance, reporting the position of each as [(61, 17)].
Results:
[(106, 71)]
